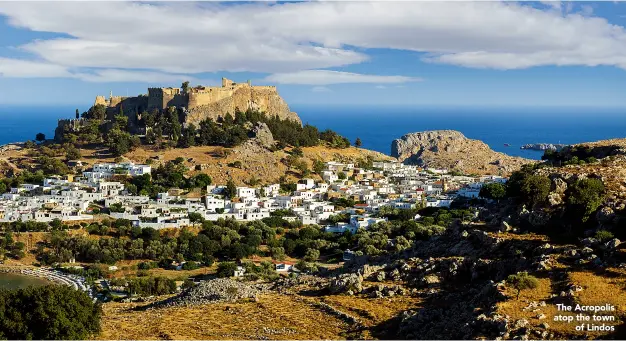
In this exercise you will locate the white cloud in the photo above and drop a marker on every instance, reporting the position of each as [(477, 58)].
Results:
[(16, 68), (114, 75), (320, 89), (326, 77), (381, 87), (285, 39)]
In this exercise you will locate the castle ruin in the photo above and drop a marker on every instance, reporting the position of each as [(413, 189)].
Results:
[(204, 102)]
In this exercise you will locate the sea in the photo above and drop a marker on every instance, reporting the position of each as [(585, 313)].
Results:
[(504, 129), (16, 281)]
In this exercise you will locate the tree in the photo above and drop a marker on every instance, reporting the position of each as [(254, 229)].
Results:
[(72, 153), (185, 86), (40, 137), (311, 255), (587, 194), (77, 114), (522, 281), (493, 191), (97, 112), (535, 189), (318, 166), (231, 189), (52, 312), (202, 180), (358, 143), (226, 269)]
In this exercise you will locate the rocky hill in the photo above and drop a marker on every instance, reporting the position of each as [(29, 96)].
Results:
[(251, 160), (452, 150), (256, 98), (606, 161)]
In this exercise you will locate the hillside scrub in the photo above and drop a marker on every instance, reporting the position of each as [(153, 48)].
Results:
[(52, 312)]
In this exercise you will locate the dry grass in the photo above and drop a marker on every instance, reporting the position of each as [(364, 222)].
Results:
[(272, 317), (598, 290), (372, 311)]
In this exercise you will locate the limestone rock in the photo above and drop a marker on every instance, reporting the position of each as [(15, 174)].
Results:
[(612, 244), (263, 135), (347, 283), (452, 150)]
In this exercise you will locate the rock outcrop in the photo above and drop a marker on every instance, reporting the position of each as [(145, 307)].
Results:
[(452, 150), (264, 99)]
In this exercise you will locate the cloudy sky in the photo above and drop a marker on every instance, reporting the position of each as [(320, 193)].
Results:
[(406, 53)]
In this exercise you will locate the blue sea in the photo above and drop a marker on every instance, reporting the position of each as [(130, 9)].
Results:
[(378, 126)]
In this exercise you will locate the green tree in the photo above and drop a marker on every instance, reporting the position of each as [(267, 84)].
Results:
[(52, 312), (358, 143), (97, 112), (311, 255), (72, 153), (231, 189), (185, 87), (535, 189), (202, 180), (587, 194), (493, 191), (40, 137), (226, 269), (318, 166), (522, 281)]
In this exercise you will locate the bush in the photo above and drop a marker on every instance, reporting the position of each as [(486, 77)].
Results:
[(587, 195), (53, 312), (190, 266), (522, 281), (226, 269), (493, 191), (603, 235)]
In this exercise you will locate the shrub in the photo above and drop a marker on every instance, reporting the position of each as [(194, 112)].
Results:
[(52, 312), (587, 194), (493, 191), (522, 281), (603, 235), (226, 269)]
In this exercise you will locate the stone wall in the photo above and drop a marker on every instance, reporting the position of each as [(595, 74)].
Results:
[(204, 102)]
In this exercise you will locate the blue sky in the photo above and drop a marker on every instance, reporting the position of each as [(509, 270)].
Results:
[(330, 53)]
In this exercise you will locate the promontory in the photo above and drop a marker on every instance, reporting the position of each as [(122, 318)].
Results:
[(452, 150)]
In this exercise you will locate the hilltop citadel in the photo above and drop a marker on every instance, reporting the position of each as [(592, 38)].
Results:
[(203, 102)]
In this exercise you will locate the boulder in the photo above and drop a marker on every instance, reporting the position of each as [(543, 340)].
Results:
[(612, 244), (346, 283), (605, 215), (263, 135)]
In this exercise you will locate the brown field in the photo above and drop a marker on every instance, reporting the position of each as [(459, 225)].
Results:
[(273, 316), (257, 162), (597, 290)]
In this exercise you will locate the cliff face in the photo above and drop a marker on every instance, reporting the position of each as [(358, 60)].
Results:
[(452, 150), (263, 99)]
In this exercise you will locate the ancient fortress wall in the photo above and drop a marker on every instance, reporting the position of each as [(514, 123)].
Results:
[(205, 102)]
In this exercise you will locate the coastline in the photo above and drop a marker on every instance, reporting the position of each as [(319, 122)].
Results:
[(48, 274)]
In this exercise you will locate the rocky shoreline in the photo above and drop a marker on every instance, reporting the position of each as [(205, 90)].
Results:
[(543, 146)]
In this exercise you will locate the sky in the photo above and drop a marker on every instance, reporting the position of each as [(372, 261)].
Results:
[(410, 53)]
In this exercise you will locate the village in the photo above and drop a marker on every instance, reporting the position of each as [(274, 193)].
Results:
[(386, 184)]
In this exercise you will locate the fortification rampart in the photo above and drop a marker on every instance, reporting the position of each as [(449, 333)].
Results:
[(204, 102)]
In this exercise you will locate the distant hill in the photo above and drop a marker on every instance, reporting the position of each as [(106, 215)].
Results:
[(452, 150)]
